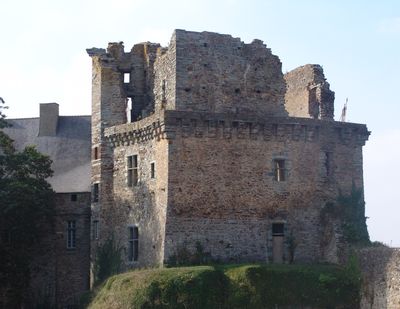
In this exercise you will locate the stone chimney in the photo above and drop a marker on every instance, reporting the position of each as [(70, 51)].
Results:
[(48, 119)]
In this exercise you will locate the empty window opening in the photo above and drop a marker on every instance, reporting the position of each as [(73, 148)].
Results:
[(237, 90), (96, 153), (278, 229), (71, 234), (133, 243), (128, 110), (95, 229), (153, 170), (132, 170), (328, 163), (95, 193), (279, 170), (74, 197), (163, 88), (127, 78)]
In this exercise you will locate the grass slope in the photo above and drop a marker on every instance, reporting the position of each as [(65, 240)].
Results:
[(231, 286)]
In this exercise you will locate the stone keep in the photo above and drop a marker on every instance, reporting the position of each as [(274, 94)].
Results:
[(206, 141)]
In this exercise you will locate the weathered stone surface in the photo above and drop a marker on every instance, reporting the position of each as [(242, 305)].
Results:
[(308, 94), (214, 124), (381, 278)]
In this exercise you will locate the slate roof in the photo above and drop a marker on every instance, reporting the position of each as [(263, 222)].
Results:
[(70, 149)]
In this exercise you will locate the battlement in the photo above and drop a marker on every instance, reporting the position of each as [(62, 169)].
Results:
[(170, 124)]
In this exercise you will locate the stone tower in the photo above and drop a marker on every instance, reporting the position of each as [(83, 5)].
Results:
[(207, 142)]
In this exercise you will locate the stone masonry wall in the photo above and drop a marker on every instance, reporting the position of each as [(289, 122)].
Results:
[(219, 73), (144, 205), (221, 181), (308, 94), (72, 265), (211, 115), (380, 268)]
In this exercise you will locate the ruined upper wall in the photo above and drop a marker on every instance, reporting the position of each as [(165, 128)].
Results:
[(198, 71), (219, 73), (308, 94)]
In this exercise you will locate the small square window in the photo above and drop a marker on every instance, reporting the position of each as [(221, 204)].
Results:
[(74, 197), (277, 229)]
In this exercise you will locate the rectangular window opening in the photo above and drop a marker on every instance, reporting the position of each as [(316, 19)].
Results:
[(95, 229), (71, 234), (127, 78), (133, 243), (129, 110), (153, 170), (279, 170), (95, 193), (96, 153), (328, 163), (74, 197), (163, 93), (277, 229), (132, 166)]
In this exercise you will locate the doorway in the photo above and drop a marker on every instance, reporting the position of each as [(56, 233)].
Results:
[(277, 242)]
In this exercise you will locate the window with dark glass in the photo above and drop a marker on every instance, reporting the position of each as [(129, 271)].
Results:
[(277, 229), (95, 229), (132, 166), (95, 193), (71, 234), (133, 243)]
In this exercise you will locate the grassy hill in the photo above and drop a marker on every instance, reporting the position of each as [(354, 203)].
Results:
[(231, 286)]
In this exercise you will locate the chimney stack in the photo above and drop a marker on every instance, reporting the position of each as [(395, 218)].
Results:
[(48, 119)]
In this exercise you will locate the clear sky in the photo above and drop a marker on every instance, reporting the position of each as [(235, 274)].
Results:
[(43, 59)]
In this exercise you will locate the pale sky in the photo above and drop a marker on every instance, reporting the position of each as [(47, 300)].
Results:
[(43, 59)]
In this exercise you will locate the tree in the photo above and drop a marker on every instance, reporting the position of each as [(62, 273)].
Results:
[(26, 213)]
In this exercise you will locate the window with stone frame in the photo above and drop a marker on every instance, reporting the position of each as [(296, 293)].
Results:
[(279, 170), (133, 243), (95, 193), (132, 169), (95, 231), (71, 234)]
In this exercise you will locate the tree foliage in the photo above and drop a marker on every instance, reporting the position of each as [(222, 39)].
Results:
[(26, 213)]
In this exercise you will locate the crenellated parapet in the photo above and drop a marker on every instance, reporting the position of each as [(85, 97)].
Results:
[(171, 124)]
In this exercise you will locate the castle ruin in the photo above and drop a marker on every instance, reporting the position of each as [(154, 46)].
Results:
[(208, 142)]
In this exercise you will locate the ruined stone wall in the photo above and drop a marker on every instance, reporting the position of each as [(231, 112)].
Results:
[(380, 269), (308, 94), (219, 73), (221, 182), (165, 77), (217, 125)]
